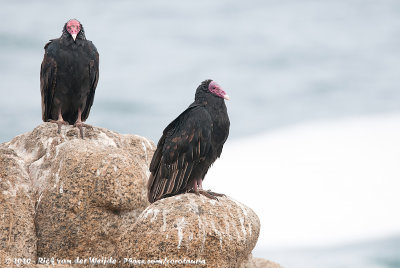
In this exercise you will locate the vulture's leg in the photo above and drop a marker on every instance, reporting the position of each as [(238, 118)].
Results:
[(209, 192), (79, 124), (195, 190), (60, 121), (198, 189)]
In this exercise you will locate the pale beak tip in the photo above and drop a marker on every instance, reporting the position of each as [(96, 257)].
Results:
[(73, 36), (226, 97)]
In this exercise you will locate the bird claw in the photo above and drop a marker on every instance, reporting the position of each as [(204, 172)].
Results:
[(207, 194), (215, 194), (80, 125), (59, 123)]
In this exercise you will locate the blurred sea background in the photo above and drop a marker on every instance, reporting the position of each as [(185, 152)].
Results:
[(314, 144)]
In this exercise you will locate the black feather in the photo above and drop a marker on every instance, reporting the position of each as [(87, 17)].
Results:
[(68, 77), (189, 145)]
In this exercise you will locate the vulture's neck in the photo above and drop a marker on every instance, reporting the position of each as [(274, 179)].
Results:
[(213, 104)]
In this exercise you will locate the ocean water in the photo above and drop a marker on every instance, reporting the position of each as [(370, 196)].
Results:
[(283, 63), (376, 253), (326, 193)]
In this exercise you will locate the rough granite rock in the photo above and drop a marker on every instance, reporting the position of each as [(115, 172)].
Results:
[(64, 197), (254, 262), (79, 193), (215, 233), (17, 230), (262, 263)]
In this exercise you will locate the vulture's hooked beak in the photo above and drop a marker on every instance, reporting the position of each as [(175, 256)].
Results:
[(226, 96), (73, 36)]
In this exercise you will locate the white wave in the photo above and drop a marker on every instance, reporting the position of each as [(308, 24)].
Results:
[(318, 183)]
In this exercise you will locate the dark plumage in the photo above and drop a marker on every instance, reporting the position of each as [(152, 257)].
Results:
[(68, 77), (189, 145)]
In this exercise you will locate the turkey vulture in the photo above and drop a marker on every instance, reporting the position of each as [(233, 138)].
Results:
[(189, 145), (68, 77)]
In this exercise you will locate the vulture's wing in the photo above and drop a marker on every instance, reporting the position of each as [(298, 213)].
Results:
[(94, 78), (48, 72), (185, 141)]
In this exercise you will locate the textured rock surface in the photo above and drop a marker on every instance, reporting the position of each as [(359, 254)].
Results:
[(253, 262), (262, 263), (63, 197), (17, 230), (84, 191), (222, 233)]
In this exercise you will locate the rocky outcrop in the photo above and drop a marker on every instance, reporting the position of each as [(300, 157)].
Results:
[(253, 262), (17, 230), (63, 198), (193, 228)]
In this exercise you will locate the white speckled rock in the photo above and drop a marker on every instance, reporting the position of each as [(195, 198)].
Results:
[(220, 233), (78, 192), (67, 197), (17, 230)]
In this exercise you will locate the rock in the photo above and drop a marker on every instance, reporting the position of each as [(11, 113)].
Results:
[(86, 191), (17, 230), (253, 262), (263, 263), (64, 197), (189, 227)]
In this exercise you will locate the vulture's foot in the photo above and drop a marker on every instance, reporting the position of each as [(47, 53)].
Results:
[(215, 194), (81, 125), (198, 189), (59, 122), (208, 194)]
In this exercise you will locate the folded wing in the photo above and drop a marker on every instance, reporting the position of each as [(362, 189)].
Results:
[(185, 142)]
